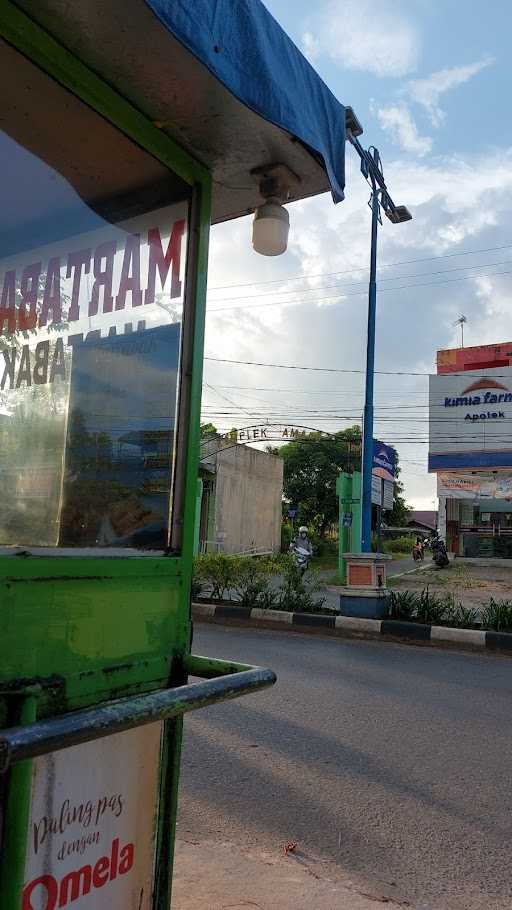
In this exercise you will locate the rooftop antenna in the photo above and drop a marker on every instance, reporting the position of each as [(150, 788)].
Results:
[(460, 321)]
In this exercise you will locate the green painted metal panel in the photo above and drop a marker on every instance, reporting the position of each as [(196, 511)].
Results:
[(86, 628)]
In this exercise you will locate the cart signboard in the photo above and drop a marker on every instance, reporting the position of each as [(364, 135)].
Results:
[(93, 821)]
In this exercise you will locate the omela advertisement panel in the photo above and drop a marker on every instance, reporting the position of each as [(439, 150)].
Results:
[(89, 351)]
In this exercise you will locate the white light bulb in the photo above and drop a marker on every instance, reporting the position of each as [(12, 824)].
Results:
[(270, 228)]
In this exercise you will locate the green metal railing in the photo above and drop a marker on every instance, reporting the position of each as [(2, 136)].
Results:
[(224, 681)]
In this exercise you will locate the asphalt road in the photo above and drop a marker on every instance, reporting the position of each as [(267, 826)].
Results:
[(392, 761)]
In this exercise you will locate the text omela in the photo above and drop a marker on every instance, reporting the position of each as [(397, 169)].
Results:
[(49, 892)]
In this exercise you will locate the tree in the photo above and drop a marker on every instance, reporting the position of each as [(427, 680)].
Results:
[(312, 464), (398, 517), (208, 429)]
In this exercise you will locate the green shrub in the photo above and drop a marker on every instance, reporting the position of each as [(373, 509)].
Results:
[(248, 580), (398, 545), (252, 580), (286, 536), (497, 616), (402, 604), (462, 617), (296, 593), (216, 572), (431, 609)]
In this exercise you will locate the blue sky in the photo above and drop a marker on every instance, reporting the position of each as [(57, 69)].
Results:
[(370, 52), (430, 81)]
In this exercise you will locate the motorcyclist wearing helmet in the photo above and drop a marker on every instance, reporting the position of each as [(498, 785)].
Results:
[(302, 550), (302, 540)]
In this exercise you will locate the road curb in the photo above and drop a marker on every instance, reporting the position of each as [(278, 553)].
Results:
[(353, 627)]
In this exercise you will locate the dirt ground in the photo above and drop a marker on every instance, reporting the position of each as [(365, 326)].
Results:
[(471, 584)]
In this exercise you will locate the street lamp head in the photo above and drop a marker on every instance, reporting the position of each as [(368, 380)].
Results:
[(398, 214), (352, 124)]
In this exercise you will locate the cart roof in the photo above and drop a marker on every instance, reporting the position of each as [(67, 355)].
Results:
[(222, 78)]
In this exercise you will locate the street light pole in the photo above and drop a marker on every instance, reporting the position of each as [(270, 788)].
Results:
[(367, 461), (371, 168)]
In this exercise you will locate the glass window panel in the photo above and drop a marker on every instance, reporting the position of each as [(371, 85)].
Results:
[(93, 238)]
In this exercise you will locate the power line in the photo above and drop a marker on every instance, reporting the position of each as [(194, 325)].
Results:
[(282, 366), (326, 287), (343, 294), (386, 265), (251, 388)]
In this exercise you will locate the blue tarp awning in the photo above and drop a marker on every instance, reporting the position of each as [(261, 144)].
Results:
[(243, 46)]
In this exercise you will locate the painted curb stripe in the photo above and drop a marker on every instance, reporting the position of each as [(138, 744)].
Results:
[(405, 629), (493, 641), (473, 637), (498, 641), (358, 624), (271, 615), (203, 610), (223, 612), (313, 619)]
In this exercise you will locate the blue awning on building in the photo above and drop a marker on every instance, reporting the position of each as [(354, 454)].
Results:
[(244, 47)]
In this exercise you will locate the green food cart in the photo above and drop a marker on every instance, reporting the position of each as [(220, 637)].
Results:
[(127, 128)]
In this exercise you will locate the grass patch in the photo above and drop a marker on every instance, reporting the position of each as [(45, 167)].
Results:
[(325, 562), (333, 580)]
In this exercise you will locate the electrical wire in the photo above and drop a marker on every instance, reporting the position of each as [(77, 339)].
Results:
[(402, 287), (327, 287), (385, 265), (283, 366)]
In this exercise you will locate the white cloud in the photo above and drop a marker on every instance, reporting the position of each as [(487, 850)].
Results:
[(361, 35), (397, 120), (310, 46), (427, 92), (458, 203)]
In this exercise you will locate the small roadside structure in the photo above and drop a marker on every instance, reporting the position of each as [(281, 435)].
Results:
[(240, 494)]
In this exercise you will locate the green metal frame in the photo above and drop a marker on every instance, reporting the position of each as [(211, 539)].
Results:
[(79, 631)]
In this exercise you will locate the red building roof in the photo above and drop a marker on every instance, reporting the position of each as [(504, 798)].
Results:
[(481, 357)]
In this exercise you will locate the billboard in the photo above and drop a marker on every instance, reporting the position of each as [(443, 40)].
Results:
[(384, 460), (484, 485), (470, 420)]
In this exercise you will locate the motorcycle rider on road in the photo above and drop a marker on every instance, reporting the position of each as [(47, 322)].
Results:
[(302, 542)]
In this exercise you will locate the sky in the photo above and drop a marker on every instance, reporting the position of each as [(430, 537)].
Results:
[(429, 80)]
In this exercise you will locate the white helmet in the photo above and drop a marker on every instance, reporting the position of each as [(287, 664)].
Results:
[(303, 529)]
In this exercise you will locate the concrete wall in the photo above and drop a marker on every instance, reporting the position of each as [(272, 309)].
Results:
[(248, 497)]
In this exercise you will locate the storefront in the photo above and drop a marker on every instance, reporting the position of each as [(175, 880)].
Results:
[(471, 448)]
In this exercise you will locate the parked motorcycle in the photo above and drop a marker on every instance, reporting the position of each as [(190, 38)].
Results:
[(439, 554)]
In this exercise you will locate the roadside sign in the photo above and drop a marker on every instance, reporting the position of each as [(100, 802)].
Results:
[(384, 460), (387, 497), (376, 490), (292, 513), (93, 822)]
